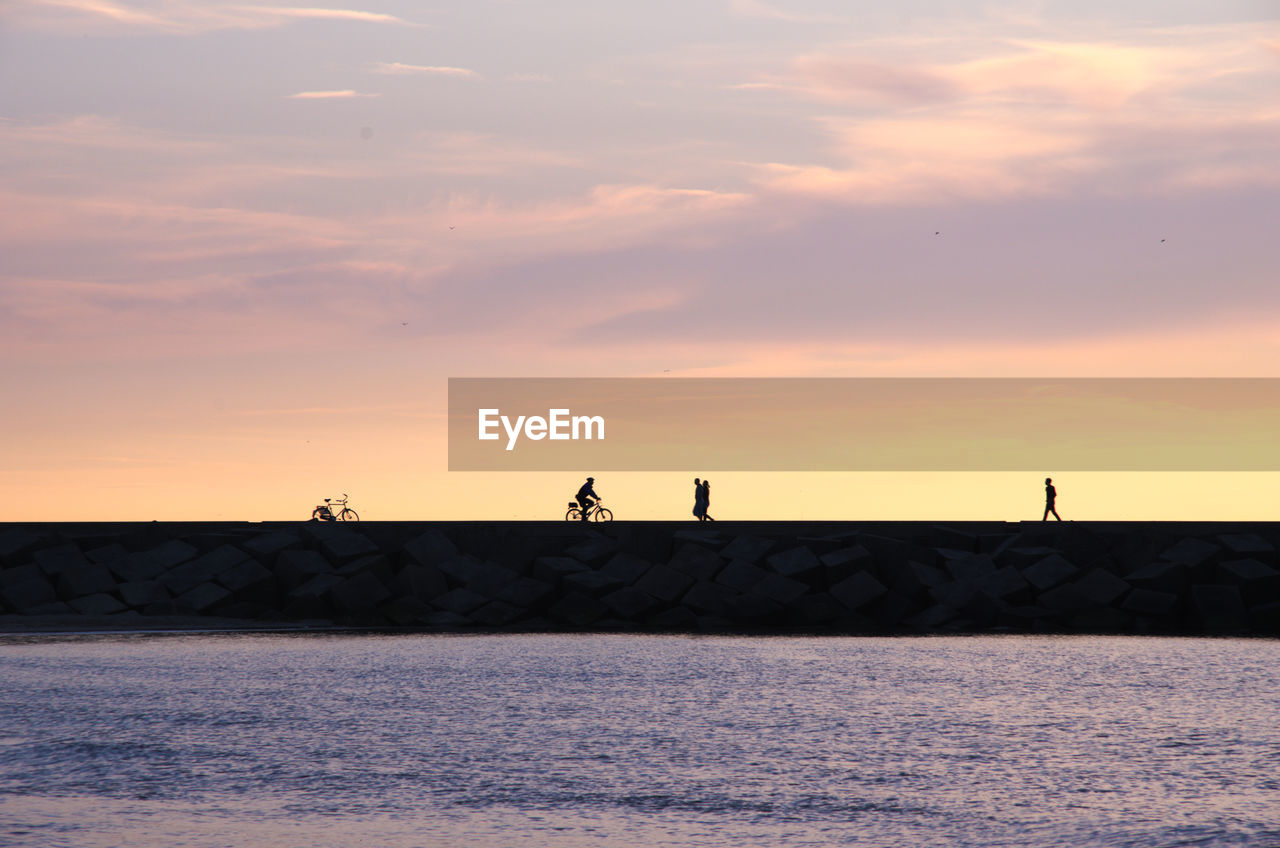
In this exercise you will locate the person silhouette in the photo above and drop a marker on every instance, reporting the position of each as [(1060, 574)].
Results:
[(706, 501), (1050, 496), (699, 510), (585, 496)]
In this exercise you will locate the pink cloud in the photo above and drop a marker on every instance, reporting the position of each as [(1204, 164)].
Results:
[(343, 94), (399, 68)]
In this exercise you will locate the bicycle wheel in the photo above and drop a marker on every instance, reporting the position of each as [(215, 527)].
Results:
[(573, 515), (348, 514), (316, 514), (603, 514)]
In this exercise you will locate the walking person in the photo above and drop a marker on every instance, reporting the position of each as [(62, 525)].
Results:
[(1050, 496), (706, 501), (699, 508)]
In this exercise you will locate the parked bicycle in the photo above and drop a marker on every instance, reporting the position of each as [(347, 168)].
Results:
[(328, 511), (595, 512)]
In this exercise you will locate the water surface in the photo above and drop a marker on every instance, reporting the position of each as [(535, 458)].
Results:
[(293, 740)]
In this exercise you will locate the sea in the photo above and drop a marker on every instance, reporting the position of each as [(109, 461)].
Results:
[(199, 740)]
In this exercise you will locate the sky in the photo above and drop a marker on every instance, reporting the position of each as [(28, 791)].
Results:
[(246, 244)]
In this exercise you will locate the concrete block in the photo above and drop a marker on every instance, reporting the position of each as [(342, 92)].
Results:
[(1161, 577), (460, 601), (15, 544), (664, 583), (1219, 609), (149, 564), (858, 591), (1259, 583), (797, 563), (250, 582), (627, 568), (708, 598), (841, 563), (496, 614), (594, 550), (1024, 557), (747, 548), (142, 592), (309, 608), (183, 578), (107, 553), (1265, 619), (629, 603), (577, 610), (752, 610), (266, 546), (696, 562), (221, 558), (342, 545), (915, 578), (741, 575), (931, 619), (63, 558), (203, 598), (17, 574), (1050, 571), (527, 593), (423, 582), (1102, 588), (941, 536), (55, 608), (100, 604), (552, 570), (89, 579), (816, 609), (22, 595), (430, 548), (1066, 598), (675, 620), (317, 587), (1190, 551), (893, 607), (781, 590), (1247, 545), (969, 566), (706, 537), (1152, 604), (359, 594), (1005, 584), (955, 594), (295, 567), (487, 578), (593, 583), (406, 611)]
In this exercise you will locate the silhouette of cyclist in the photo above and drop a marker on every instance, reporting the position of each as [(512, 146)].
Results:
[(586, 497)]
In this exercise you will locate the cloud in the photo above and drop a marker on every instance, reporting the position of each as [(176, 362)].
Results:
[(343, 94), (179, 17), (396, 68)]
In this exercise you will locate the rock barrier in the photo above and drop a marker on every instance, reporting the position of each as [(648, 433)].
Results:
[(834, 577)]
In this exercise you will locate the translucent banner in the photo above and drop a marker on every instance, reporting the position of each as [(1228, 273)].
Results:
[(820, 424)]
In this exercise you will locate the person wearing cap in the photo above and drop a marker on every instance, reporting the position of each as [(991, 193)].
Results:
[(585, 496)]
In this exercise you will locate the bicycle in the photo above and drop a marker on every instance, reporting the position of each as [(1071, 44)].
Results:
[(595, 512), (325, 511)]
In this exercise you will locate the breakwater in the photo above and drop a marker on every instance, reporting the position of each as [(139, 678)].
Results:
[(838, 577)]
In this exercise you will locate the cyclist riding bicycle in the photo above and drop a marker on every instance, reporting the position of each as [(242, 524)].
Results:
[(585, 496)]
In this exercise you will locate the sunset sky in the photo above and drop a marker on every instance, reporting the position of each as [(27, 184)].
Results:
[(244, 245)]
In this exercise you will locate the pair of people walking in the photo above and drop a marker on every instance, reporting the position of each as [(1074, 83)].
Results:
[(702, 499)]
